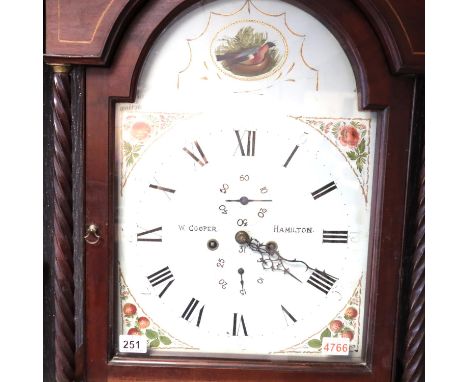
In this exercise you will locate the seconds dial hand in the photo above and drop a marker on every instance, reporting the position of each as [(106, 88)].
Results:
[(241, 272), (245, 200)]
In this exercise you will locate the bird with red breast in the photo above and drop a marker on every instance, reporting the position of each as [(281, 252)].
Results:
[(248, 56)]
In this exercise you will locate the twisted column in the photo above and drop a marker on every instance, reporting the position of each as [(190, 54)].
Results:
[(414, 345), (63, 228)]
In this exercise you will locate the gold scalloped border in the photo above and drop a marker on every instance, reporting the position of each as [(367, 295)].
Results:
[(248, 4)]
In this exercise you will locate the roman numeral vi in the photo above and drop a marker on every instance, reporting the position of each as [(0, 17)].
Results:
[(238, 321)]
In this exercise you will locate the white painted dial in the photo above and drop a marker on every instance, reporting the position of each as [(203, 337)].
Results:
[(194, 185)]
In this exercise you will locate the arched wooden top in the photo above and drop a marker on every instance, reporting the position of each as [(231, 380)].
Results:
[(343, 19), (88, 31)]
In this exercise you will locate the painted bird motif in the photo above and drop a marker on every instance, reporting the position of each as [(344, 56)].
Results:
[(248, 56)]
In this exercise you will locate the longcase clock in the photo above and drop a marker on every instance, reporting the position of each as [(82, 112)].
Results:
[(245, 192)]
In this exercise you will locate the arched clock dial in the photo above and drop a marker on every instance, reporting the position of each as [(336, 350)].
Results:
[(243, 223)]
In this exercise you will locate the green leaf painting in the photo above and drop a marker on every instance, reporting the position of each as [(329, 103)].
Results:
[(325, 333), (154, 344), (352, 155), (362, 146), (315, 343), (131, 152), (151, 334), (165, 340)]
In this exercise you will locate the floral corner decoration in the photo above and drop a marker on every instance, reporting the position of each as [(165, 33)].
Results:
[(135, 323), (140, 132), (351, 136), (343, 326), (139, 325), (346, 324), (139, 129)]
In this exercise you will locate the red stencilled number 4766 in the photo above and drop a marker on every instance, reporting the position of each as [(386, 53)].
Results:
[(335, 346)]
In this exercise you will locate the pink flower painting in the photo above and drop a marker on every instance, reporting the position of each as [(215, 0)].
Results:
[(349, 136), (140, 131)]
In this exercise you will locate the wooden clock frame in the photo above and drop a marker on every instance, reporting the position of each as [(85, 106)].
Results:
[(86, 87)]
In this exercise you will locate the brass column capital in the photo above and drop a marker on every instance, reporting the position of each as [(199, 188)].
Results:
[(60, 68)]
